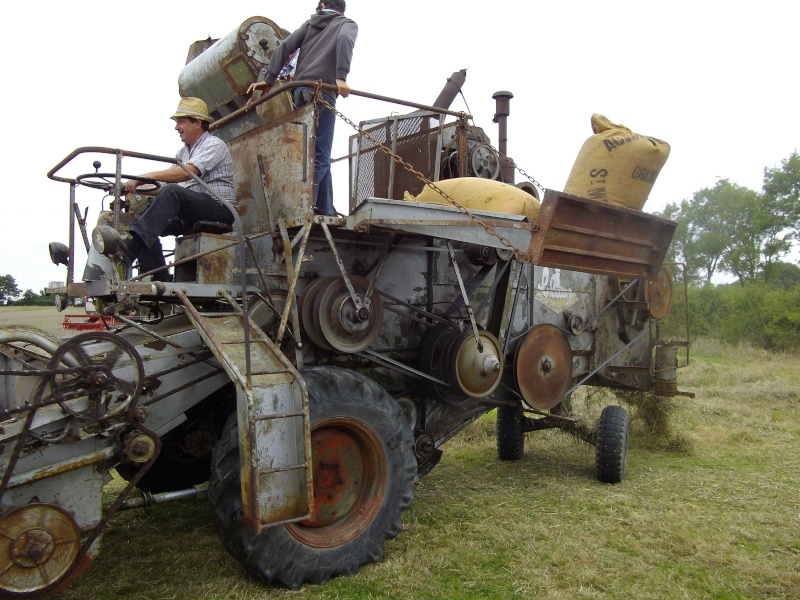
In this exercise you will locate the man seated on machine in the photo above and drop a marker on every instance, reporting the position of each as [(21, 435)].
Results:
[(183, 201)]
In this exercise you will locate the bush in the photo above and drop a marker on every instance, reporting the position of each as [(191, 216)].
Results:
[(756, 314)]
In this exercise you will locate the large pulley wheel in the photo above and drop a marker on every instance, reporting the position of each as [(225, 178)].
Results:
[(432, 362), (341, 323), (543, 366), (102, 366), (477, 370), (484, 162), (660, 295), (306, 306), (331, 319), (471, 372), (38, 546)]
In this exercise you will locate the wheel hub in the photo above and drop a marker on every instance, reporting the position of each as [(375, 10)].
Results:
[(32, 548), (38, 547), (350, 481), (337, 472)]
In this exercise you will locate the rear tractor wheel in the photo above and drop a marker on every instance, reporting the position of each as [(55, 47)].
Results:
[(364, 466)]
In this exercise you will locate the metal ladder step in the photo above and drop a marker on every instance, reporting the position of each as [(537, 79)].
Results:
[(272, 407)]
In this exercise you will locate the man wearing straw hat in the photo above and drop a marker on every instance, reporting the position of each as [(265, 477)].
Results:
[(183, 201)]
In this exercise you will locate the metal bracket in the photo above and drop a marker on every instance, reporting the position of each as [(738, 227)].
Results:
[(464, 295), (366, 304)]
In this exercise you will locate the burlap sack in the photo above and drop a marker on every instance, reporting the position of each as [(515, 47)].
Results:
[(275, 108), (481, 194), (616, 165)]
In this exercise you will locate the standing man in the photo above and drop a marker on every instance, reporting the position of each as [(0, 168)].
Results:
[(326, 43), (183, 201)]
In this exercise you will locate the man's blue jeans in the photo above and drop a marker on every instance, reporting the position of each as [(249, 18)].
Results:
[(323, 184)]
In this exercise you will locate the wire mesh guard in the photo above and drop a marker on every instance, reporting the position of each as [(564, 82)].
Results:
[(414, 138)]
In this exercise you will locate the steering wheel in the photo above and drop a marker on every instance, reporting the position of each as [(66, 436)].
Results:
[(100, 181)]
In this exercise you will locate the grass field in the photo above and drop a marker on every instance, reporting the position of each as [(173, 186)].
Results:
[(46, 318), (715, 515)]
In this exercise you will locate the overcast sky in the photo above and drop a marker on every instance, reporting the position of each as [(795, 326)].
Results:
[(717, 80)]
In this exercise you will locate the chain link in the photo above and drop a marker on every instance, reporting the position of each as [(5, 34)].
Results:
[(519, 255)]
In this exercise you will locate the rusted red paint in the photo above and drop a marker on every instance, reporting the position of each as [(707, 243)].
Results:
[(350, 481)]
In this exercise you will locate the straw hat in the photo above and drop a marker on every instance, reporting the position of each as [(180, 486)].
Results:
[(193, 108)]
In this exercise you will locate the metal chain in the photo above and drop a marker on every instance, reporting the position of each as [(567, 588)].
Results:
[(510, 161), (519, 255)]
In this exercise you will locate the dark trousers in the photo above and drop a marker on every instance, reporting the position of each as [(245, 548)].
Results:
[(173, 212), (323, 184)]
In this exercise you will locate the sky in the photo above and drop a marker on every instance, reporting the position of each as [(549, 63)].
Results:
[(717, 80)]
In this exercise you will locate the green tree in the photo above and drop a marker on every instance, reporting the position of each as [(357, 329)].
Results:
[(762, 233), (783, 275), (782, 191), (730, 228), (701, 239), (8, 288), (30, 298)]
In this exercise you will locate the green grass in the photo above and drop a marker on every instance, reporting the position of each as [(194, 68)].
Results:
[(719, 518)]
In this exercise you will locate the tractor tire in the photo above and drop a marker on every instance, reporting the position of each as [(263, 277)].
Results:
[(509, 434), (611, 445), (352, 417)]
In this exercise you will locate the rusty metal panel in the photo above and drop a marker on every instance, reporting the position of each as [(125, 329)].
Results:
[(596, 237), (217, 266), (273, 171)]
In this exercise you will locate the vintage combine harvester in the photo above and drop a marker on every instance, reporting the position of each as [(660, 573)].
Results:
[(310, 368)]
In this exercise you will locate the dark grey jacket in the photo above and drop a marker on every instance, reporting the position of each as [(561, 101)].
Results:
[(326, 43)]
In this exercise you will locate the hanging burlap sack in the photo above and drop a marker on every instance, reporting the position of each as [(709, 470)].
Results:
[(616, 165), (275, 108)]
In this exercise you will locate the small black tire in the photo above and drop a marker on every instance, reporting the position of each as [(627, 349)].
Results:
[(343, 405), (509, 433), (611, 445)]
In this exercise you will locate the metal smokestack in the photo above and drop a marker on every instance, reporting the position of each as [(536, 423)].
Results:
[(502, 110), (451, 89)]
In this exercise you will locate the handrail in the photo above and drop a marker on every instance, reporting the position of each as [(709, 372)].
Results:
[(331, 88), (51, 174), (237, 223)]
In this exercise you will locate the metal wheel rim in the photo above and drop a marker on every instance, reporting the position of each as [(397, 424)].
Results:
[(350, 482)]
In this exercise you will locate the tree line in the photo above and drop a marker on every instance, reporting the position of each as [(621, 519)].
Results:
[(732, 230), (10, 294)]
